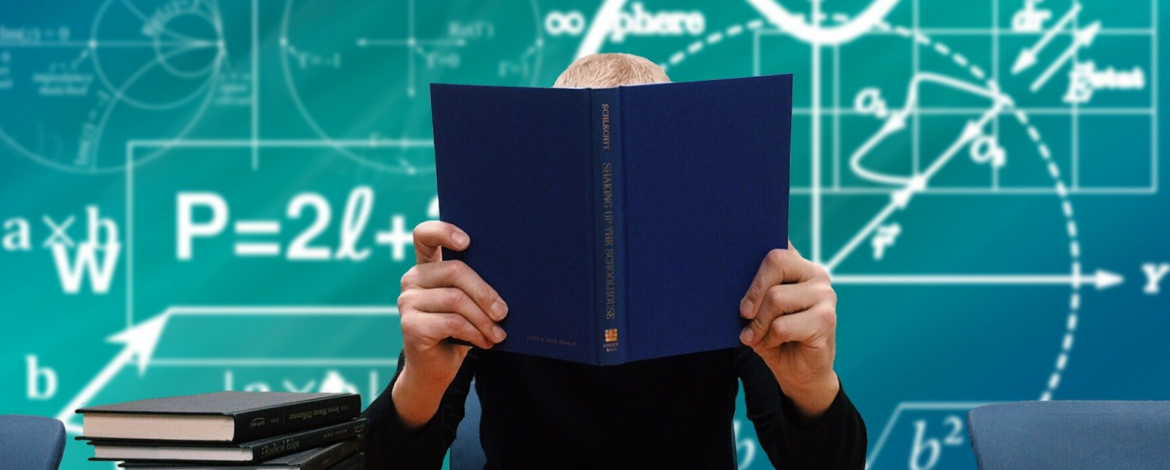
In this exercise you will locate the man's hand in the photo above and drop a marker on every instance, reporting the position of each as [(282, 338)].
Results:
[(440, 299), (793, 313)]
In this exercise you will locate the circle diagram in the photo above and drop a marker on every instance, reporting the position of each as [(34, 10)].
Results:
[(137, 70), (936, 204)]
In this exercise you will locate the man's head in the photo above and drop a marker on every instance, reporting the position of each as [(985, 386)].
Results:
[(610, 70)]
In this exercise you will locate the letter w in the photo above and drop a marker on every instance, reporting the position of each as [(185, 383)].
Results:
[(100, 272)]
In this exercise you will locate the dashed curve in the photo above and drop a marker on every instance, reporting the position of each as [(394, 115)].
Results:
[(978, 73)]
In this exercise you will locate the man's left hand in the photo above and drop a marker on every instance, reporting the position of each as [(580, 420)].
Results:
[(793, 313)]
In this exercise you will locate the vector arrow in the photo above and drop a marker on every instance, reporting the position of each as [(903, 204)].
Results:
[(1101, 279), (1081, 38), (139, 343), (1027, 57)]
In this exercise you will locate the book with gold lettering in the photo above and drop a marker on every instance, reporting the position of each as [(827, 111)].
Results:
[(619, 224)]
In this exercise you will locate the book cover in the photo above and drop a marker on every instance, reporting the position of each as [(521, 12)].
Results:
[(619, 224), (247, 416), (253, 451)]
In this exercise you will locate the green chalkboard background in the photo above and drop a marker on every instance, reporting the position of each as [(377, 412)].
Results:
[(140, 138)]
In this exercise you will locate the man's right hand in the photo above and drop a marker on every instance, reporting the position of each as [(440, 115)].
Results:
[(440, 300)]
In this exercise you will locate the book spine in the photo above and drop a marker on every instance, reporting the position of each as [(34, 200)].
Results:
[(608, 226), (326, 460), (259, 424), (279, 447)]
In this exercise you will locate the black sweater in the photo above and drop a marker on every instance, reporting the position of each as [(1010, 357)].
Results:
[(673, 412)]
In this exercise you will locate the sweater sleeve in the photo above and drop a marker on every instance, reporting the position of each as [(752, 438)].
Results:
[(390, 445), (834, 440)]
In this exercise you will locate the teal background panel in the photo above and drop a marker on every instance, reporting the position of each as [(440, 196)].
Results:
[(201, 195)]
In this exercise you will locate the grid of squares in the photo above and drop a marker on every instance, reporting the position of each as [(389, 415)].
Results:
[(1078, 134)]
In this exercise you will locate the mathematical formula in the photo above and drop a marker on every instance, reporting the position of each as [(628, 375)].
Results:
[(263, 237)]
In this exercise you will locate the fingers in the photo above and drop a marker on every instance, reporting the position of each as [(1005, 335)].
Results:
[(805, 327), (435, 327), (432, 235), (777, 301), (457, 274), (453, 300), (779, 267), (452, 289)]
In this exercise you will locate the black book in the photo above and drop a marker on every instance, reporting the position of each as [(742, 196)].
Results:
[(248, 452), (319, 458), (357, 462), (231, 417)]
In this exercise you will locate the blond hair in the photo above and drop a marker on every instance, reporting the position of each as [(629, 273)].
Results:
[(610, 70)]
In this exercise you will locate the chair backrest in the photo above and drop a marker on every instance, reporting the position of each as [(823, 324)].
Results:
[(1042, 435), (30, 442), (466, 451)]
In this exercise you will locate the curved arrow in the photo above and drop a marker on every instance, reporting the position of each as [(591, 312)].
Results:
[(897, 122)]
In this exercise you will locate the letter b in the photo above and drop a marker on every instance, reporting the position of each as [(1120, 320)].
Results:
[(35, 374), (930, 446), (97, 225)]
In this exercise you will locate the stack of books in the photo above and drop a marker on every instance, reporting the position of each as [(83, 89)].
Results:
[(235, 430)]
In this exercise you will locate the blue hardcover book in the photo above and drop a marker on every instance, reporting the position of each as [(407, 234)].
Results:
[(619, 224)]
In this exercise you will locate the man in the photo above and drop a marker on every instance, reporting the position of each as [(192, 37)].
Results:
[(673, 412)]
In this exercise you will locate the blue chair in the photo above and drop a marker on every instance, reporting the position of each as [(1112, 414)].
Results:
[(30, 442), (466, 450), (1040, 435)]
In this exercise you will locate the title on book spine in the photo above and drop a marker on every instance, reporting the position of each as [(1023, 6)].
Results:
[(283, 446), (608, 232), (605, 126)]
